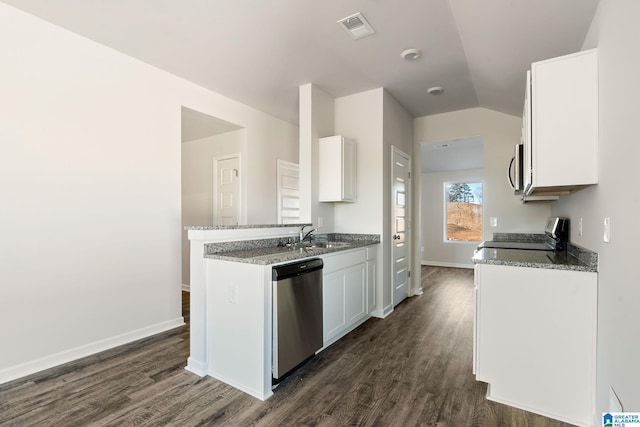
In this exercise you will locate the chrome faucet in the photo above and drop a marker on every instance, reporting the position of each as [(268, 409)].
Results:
[(303, 236)]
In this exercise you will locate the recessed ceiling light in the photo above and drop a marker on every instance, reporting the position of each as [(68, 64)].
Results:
[(411, 54), (435, 90)]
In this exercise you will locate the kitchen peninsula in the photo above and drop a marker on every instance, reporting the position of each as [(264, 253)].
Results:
[(231, 268)]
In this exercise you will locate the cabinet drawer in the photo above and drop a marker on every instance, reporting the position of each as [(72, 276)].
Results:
[(340, 260)]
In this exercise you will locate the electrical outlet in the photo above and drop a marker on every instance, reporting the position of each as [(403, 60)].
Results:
[(233, 294), (607, 230)]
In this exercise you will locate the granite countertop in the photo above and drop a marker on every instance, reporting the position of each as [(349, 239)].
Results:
[(267, 251), (575, 258), (241, 227)]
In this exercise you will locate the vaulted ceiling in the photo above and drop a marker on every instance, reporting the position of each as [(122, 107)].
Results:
[(259, 52)]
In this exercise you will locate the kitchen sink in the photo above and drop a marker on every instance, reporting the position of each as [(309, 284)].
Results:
[(329, 245)]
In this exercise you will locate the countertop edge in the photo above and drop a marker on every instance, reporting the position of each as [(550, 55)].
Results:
[(242, 227), (567, 267), (217, 251)]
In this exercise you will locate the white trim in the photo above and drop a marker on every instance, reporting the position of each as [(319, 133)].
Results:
[(534, 410), (381, 314), (252, 392), (216, 160), (186, 287), (196, 367), (447, 264), (70, 355)]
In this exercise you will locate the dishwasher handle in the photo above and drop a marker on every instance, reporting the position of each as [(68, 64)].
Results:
[(282, 272)]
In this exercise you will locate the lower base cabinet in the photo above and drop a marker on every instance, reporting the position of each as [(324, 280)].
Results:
[(535, 339), (348, 281)]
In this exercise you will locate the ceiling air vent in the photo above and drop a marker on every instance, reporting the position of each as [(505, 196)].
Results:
[(356, 26)]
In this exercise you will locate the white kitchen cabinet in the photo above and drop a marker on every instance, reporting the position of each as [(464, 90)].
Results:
[(345, 293), (535, 339), (337, 169), (561, 125)]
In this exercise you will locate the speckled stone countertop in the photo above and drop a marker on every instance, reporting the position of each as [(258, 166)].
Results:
[(574, 258), (240, 227), (267, 251)]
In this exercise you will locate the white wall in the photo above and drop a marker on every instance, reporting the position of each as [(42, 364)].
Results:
[(359, 117), (268, 139), (437, 251), (616, 34), (90, 192), (375, 121), (316, 121), (197, 181), (500, 132)]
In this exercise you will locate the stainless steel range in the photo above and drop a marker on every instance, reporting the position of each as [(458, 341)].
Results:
[(557, 236)]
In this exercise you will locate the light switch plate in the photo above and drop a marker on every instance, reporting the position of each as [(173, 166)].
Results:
[(607, 230), (580, 227), (493, 221)]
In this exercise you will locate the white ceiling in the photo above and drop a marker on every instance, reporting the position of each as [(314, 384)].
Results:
[(259, 52)]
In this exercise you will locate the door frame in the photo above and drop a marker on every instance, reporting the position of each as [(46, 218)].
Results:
[(216, 160), (408, 222)]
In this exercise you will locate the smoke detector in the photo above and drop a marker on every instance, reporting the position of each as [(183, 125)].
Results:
[(411, 54), (435, 90), (356, 26)]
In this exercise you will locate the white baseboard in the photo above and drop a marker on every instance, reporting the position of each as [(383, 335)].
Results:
[(554, 416), (261, 395), (31, 367), (381, 314), (196, 367), (186, 288), (447, 264)]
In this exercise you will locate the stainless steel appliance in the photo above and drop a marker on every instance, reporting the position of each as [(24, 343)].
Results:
[(515, 172), (297, 314), (556, 230)]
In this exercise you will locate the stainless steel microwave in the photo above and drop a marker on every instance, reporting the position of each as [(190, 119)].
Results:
[(515, 172)]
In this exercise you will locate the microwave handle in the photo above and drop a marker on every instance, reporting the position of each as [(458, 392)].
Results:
[(509, 172)]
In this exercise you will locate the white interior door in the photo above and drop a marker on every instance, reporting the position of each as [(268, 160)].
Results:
[(400, 217), (288, 192), (226, 209)]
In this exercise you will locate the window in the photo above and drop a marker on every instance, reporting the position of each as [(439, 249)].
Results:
[(463, 212)]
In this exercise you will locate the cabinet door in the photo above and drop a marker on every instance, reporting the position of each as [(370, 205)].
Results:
[(355, 292), (333, 300), (348, 170), (526, 138), (564, 112), (337, 169), (536, 339)]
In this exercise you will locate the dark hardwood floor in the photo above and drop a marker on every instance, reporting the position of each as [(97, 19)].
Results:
[(413, 368)]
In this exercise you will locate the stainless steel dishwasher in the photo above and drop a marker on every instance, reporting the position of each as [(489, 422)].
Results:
[(297, 314)]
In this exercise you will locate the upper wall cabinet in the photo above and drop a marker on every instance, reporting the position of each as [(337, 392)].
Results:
[(560, 133), (337, 169)]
